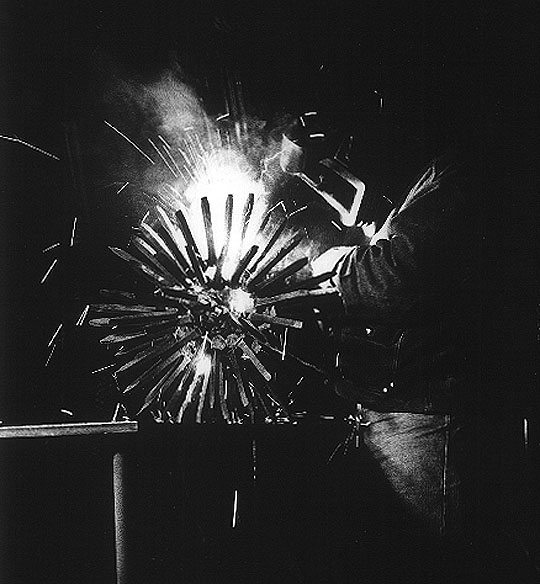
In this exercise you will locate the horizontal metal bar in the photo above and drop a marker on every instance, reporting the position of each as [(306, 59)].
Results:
[(79, 429)]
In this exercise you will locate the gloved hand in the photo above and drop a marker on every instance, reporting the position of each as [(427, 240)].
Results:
[(329, 260)]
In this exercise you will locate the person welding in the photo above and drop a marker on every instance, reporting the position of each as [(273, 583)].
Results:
[(407, 333)]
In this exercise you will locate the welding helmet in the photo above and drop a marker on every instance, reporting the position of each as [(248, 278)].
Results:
[(343, 119), (343, 135)]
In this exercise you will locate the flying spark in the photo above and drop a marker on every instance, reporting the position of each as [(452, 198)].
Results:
[(51, 247), (130, 142), (49, 270), (72, 239), (28, 145), (122, 187)]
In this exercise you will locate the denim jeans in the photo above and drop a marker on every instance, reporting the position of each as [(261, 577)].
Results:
[(419, 456)]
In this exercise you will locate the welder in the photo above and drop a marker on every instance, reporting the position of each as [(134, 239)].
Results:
[(407, 334)]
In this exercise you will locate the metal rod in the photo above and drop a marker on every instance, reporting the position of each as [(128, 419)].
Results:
[(243, 264), (228, 230), (173, 268), (207, 218), (310, 283), (284, 251), (191, 246), (169, 379), (277, 320), (162, 350), (202, 396), (271, 241), (174, 402), (150, 255), (147, 272), (282, 274), (123, 309), (178, 293), (118, 339), (246, 214), (120, 530), (246, 349), (142, 317), (294, 296), (266, 218), (167, 233), (221, 390), (245, 401)]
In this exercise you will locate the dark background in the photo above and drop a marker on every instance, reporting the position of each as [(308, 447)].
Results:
[(448, 74)]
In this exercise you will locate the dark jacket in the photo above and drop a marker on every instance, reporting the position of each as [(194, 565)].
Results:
[(410, 336)]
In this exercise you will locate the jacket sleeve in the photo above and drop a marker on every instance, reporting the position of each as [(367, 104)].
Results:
[(389, 280)]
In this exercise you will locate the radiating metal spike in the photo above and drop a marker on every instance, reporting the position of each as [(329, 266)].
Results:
[(207, 219)]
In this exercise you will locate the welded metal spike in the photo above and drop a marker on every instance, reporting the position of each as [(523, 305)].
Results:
[(128, 309), (157, 369), (281, 254), (166, 381), (246, 214), (139, 266), (282, 274), (244, 324), (228, 231), (191, 246), (117, 339), (278, 230), (202, 396), (177, 398), (243, 264), (163, 262), (310, 283), (141, 318), (211, 383), (179, 293), (231, 392), (298, 294), (142, 343), (263, 400), (167, 232), (221, 389), (155, 352), (254, 359), (207, 219), (258, 318), (235, 366), (188, 398), (154, 240), (266, 218)]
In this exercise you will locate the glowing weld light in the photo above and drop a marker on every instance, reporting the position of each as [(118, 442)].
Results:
[(224, 173), (204, 365), (241, 302)]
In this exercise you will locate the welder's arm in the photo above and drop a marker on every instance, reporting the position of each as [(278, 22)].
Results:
[(380, 281), (384, 281)]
